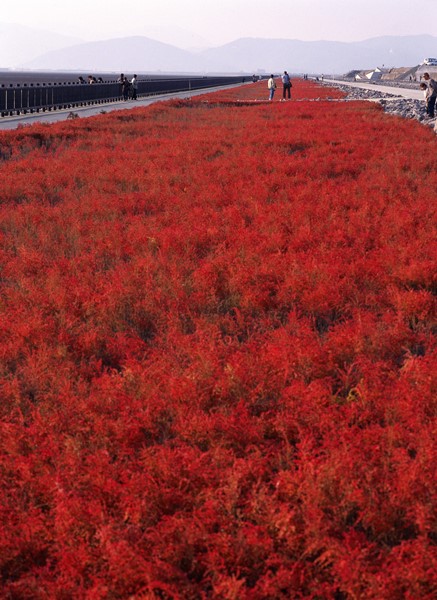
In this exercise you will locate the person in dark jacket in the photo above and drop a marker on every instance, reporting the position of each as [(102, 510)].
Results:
[(125, 86), (286, 86)]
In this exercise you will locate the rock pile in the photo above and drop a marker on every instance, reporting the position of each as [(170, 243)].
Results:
[(408, 109)]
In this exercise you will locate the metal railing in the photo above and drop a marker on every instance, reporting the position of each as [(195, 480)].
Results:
[(28, 98)]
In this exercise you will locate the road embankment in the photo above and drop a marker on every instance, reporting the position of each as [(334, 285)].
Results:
[(403, 102)]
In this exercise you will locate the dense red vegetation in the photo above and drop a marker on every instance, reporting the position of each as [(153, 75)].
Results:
[(217, 355)]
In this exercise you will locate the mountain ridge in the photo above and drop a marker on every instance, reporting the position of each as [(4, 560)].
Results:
[(249, 54), (118, 54)]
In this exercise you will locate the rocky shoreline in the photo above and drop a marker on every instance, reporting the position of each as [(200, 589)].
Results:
[(391, 103)]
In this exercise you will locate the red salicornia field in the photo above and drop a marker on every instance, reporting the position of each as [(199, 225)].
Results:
[(217, 353)]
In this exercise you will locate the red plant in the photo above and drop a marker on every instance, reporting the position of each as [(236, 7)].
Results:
[(217, 323)]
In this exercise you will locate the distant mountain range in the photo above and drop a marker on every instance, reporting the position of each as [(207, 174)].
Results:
[(121, 54), (297, 56), (249, 55)]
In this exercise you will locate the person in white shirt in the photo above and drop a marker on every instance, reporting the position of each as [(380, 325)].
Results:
[(271, 84), (432, 97), (134, 85)]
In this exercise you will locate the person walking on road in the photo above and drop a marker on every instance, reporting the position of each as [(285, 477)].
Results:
[(134, 85), (286, 85), (125, 86), (431, 95), (271, 84)]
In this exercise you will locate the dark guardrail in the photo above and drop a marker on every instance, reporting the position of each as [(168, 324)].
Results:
[(34, 97)]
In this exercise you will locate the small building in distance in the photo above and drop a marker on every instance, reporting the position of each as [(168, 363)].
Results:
[(395, 74), (371, 75)]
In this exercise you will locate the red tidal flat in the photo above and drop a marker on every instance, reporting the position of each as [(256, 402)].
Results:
[(217, 352)]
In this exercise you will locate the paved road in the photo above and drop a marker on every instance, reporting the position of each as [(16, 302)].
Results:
[(385, 89), (90, 111)]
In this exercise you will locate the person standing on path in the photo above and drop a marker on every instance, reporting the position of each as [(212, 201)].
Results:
[(134, 85), (426, 94), (432, 95), (271, 84), (125, 86), (286, 85)]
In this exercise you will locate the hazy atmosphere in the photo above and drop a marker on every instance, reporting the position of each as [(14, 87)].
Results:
[(201, 23)]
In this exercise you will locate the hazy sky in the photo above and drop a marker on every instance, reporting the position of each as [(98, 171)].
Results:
[(215, 22)]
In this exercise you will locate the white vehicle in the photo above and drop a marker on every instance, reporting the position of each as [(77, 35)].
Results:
[(430, 61)]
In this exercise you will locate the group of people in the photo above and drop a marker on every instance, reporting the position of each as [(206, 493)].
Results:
[(129, 88), (429, 87), (286, 86), (91, 79)]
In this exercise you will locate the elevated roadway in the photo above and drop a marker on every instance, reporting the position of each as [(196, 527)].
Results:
[(55, 116)]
